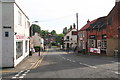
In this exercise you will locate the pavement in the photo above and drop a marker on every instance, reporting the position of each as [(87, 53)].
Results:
[(30, 62)]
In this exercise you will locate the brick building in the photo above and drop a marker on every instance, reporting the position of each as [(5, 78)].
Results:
[(103, 34)]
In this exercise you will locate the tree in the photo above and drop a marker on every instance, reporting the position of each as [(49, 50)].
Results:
[(65, 30), (59, 38), (35, 29), (53, 32), (44, 33)]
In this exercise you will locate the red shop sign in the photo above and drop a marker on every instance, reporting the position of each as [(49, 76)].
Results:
[(20, 37)]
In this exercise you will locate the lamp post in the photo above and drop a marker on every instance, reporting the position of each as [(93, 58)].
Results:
[(77, 32)]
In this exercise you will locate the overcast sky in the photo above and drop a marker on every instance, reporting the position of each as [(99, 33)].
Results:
[(57, 14)]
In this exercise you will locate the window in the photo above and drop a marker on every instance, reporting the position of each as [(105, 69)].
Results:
[(67, 37), (19, 18), (99, 44), (6, 34), (104, 44), (26, 46), (91, 43), (19, 49)]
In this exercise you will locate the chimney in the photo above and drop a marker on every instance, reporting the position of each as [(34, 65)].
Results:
[(88, 21), (74, 26), (70, 27)]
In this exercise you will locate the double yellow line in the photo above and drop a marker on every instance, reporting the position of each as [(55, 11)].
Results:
[(37, 63)]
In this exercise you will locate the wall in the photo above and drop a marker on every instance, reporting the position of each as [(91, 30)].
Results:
[(20, 30), (8, 19), (74, 39), (0, 38), (112, 30)]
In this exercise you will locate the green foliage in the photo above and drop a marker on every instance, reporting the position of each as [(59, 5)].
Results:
[(59, 38), (53, 32), (35, 29), (44, 33), (36, 46)]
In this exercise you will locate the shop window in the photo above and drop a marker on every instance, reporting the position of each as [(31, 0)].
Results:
[(91, 43), (104, 44), (26, 46), (99, 44), (19, 49)]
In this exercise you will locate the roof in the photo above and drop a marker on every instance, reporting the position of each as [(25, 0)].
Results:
[(69, 31), (98, 24), (87, 25)]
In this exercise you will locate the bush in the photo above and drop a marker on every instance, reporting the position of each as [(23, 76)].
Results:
[(36, 48)]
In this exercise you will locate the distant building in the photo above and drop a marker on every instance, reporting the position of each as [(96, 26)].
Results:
[(50, 39), (70, 38), (36, 40), (15, 33)]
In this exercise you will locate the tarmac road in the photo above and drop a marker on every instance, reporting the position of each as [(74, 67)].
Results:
[(59, 64)]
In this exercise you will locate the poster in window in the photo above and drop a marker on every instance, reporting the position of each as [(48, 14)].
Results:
[(74, 32)]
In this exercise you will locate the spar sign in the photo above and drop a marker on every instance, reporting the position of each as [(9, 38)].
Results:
[(20, 37), (94, 50)]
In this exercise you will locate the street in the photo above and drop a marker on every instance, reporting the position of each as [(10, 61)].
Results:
[(58, 64)]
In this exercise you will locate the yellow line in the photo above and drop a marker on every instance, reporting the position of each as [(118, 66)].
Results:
[(37, 64), (3, 71), (33, 64)]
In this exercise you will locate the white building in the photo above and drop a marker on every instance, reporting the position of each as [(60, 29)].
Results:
[(0, 35), (70, 39), (36, 40), (15, 33)]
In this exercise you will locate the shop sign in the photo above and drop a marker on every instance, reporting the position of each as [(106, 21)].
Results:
[(7, 27), (74, 32), (92, 37), (104, 36), (95, 50), (20, 37)]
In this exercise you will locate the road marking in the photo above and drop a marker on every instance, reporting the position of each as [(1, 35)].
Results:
[(21, 77), (88, 65), (38, 63), (20, 73), (116, 72), (14, 77)]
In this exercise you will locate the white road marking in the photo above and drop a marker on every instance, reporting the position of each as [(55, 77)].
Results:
[(88, 65), (20, 73), (116, 72), (14, 77), (23, 74), (21, 77)]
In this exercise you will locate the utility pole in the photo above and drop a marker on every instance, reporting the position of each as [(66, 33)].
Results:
[(77, 32)]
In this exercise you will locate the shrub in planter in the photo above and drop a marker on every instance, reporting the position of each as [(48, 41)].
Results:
[(36, 48)]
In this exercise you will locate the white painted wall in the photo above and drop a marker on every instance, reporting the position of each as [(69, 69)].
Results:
[(10, 18), (22, 30), (74, 38), (0, 38), (8, 42)]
